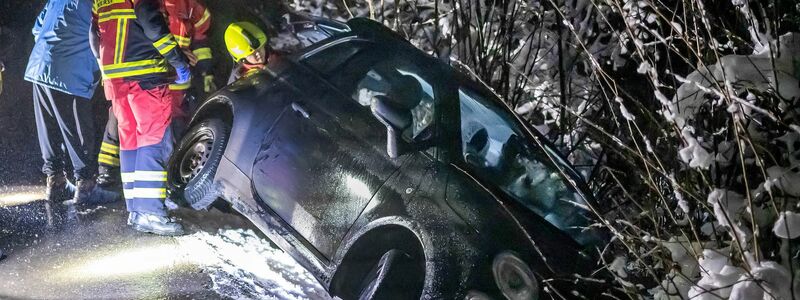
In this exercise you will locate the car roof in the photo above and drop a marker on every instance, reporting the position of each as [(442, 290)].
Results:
[(374, 31)]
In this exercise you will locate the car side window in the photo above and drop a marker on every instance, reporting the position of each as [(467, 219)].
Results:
[(496, 152), (395, 79)]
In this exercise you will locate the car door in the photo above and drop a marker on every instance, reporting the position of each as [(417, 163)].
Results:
[(325, 157)]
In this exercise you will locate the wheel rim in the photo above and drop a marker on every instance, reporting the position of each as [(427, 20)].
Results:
[(195, 158)]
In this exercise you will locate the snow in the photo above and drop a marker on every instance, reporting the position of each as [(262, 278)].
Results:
[(783, 179), (643, 67), (787, 226), (727, 208), (716, 285), (684, 253), (773, 283), (618, 266), (682, 203), (757, 71), (693, 153), (674, 287), (625, 113), (245, 266)]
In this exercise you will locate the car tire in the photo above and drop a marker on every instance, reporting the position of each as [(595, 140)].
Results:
[(392, 278), (194, 163)]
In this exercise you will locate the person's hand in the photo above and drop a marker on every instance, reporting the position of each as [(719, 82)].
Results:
[(190, 56), (208, 84), (184, 74)]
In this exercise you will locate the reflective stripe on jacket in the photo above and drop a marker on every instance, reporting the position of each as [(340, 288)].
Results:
[(61, 58), (189, 21), (135, 42)]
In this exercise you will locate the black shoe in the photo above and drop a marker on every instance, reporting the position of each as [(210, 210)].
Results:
[(58, 188), (83, 190), (94, 196), (108, 177), (159, 225)]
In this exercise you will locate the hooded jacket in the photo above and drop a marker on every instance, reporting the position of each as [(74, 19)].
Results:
[(61, 58)]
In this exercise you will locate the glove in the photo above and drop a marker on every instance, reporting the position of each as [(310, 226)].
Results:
[(208, 83), (184, 74)]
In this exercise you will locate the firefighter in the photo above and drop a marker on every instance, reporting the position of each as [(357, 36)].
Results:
[(247, 44), (65, 74), (189, 22), (136, 49)]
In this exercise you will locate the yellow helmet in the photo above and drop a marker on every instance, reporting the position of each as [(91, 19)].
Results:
[(243, 38)]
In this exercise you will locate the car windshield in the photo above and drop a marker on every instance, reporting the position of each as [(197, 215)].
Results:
[(496, 151)]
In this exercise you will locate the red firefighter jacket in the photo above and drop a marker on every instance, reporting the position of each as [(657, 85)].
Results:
[(135, 42), (189, 22)]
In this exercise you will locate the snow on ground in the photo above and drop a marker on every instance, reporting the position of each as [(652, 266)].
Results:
[(244, 266)]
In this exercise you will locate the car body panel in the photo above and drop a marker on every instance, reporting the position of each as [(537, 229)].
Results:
[(316, 168)]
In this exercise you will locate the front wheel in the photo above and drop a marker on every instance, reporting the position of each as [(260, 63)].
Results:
[(194, 163)]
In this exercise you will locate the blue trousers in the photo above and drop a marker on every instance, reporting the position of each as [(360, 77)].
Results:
[(144, 177)]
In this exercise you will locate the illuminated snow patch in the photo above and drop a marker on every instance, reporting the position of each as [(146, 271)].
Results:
[(245, 266)]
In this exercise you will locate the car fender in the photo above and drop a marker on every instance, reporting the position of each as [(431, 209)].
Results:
[(253, 105), (442, 265)]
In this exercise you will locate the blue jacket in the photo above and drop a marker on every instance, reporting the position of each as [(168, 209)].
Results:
[(61, 58)]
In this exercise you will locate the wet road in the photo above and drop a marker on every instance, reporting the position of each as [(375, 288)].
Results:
[(61, 252), (67, 252), (88, 253)]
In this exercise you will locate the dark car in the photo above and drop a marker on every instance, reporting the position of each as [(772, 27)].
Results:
[(389, 175)]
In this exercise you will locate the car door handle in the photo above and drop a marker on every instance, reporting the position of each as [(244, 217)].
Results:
[(299, 108)]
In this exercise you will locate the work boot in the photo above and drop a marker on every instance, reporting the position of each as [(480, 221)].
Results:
[(58, 188), (88, 192), (155, 224), (108, 177)]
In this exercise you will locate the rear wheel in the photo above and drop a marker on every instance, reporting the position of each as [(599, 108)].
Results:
[(195, 161)]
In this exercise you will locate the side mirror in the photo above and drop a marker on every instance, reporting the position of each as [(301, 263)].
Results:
[(396, 121)]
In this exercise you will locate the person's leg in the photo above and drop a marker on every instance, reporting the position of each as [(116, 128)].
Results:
[(50, 142), (152, 110), (180, 114), (109, 156), (126, 129), (77, 130), (76, 124)]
